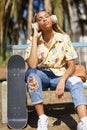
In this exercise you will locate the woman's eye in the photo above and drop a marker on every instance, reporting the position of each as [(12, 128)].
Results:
[(43, 17), (39, 19), (47, 16)]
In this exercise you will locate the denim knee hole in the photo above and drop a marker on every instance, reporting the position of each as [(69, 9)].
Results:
[(32, 83)]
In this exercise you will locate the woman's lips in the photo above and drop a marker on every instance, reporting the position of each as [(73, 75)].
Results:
[(46, 23)]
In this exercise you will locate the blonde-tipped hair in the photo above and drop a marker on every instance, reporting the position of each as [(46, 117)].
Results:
[(55, 26)]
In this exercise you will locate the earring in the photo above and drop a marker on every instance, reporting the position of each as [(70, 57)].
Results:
[(54, 19)]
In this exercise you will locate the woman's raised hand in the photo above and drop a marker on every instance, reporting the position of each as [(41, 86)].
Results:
[(36, 33)]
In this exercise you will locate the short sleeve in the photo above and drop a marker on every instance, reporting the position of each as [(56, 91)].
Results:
[(27, 51), (70, 52)]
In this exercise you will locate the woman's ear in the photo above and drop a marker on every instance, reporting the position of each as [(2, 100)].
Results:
[(54, 19), (36, 26)]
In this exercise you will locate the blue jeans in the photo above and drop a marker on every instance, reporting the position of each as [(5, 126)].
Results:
[(45, 79)]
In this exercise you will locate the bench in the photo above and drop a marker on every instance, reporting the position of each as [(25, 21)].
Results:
[(81, 48)]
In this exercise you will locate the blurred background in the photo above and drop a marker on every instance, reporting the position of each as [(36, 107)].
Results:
[(16, 18)]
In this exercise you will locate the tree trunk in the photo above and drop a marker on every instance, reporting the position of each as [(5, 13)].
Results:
[(6, 18), (57, 8), (70, 19), (30, 15), (48, 8), (2, 11), (85, 2)]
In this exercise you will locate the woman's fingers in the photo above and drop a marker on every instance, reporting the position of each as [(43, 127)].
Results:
[(59, 92)]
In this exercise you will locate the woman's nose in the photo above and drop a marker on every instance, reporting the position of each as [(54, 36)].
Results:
[(44, 19)]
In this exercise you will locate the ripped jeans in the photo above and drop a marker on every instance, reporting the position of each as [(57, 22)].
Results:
[(44, 78)]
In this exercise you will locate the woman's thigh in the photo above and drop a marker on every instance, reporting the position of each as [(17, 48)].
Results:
[(43, 77), (54, 82)]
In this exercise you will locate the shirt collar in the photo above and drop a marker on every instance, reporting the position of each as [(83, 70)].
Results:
[(57, 38)]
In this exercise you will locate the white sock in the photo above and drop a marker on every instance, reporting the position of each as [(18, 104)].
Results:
[(43, 117), (84, 119)]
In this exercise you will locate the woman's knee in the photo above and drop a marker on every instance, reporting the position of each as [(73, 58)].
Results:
[(32, 83), (35, 88), (74, 82)]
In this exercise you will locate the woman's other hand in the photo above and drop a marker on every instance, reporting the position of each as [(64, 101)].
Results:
[(60, 88)]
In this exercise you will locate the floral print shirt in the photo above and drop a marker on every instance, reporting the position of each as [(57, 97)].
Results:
[(55, 57)]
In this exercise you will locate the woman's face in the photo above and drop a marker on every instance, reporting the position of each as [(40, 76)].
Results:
[(44, 20)]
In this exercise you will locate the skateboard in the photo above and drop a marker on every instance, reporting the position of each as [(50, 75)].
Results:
[(16, 101)]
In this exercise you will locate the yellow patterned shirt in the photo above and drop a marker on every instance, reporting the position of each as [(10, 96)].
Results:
[(55, 57)]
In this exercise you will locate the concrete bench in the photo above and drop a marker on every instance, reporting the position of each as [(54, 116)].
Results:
[(81, 49)]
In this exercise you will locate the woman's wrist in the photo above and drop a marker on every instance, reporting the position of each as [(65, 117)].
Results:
[(63, 79), (34, 40), (35, 37)]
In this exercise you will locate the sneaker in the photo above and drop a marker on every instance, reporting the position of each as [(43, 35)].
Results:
[(43, 125), (82, 126)]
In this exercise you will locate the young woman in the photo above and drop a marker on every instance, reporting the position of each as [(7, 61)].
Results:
[(51, 61)]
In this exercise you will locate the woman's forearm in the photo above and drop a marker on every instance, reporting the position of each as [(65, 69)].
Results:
[(33, 60), (70, 70)]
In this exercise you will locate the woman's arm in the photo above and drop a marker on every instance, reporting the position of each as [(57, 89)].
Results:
[(70, 70), (32, 61), (61, 85)]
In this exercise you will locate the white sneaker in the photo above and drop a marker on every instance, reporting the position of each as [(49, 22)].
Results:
[(43, 124), (82, 125)]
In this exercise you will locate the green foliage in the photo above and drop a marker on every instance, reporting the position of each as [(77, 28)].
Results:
[(4, 63)]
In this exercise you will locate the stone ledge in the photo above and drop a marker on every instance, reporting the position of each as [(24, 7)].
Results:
[(49, 98)]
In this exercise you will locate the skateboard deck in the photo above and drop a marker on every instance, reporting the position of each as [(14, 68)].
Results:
[(16, 103)]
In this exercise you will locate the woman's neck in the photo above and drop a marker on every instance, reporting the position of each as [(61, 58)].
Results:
[(48, 35)]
